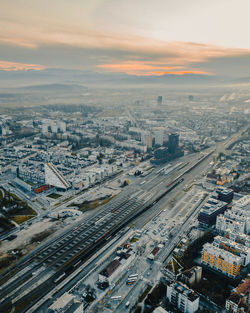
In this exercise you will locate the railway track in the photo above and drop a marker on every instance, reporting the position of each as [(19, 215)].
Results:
[(52, 263), (72, 249)]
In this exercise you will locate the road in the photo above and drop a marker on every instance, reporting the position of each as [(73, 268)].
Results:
[(59, 258)]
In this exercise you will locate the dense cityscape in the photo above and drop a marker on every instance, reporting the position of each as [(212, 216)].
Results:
[(124, 156), (108, 212)]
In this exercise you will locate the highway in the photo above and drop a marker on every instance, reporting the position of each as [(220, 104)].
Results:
[(46, 267)]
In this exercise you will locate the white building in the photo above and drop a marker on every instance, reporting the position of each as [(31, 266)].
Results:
[(235, 248), (45, 128), (131, 144), (66, 303), (237, 219), (243, 203), (184, 298), (54, 128), (62, 126), (225, 224), (54, 178), (239, 238), (159, 137)]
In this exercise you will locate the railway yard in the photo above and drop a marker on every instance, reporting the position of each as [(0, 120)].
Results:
[(50, 264)]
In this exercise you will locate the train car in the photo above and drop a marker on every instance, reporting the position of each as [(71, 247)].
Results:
[(59, 278)]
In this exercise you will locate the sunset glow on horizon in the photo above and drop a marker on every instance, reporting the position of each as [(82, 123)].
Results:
[(148, 69), (14, 66), (140, 38)]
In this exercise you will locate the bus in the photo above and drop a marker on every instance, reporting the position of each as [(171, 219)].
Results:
[(130, 281), (133, 276), (116, 298)]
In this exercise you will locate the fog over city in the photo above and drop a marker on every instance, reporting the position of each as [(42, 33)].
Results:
[(124, 156)]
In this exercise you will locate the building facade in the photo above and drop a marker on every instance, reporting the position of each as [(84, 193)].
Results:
[(209, 212), (184, 298), (233, 247), (239, 300), (221, 260)]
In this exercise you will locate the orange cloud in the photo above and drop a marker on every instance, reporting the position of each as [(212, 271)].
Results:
[(183, 72), (155, 68), (163, 57), (14, 66)]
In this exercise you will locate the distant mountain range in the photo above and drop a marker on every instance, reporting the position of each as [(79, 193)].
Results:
[(70, 80), (53, 88)]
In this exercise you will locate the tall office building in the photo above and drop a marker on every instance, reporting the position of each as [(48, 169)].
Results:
[(173, 143), (146, 139), (159, 100)]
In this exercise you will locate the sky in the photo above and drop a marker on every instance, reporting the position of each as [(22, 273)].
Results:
[(136, 37)]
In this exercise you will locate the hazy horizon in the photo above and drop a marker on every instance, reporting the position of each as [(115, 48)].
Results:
[(142, 38)]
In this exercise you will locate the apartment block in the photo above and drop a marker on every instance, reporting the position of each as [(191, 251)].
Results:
[(227, 225), (184, 298), (239, 300), (221, 260), (239, 238), (233, 247)]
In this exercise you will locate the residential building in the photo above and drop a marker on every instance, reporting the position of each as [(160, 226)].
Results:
[(220, 260), (228, 225), (236, 219), (146, 139), (239, 238), (233, 247), (159, 137), (239, 300), (184, 298), (30, 174)]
